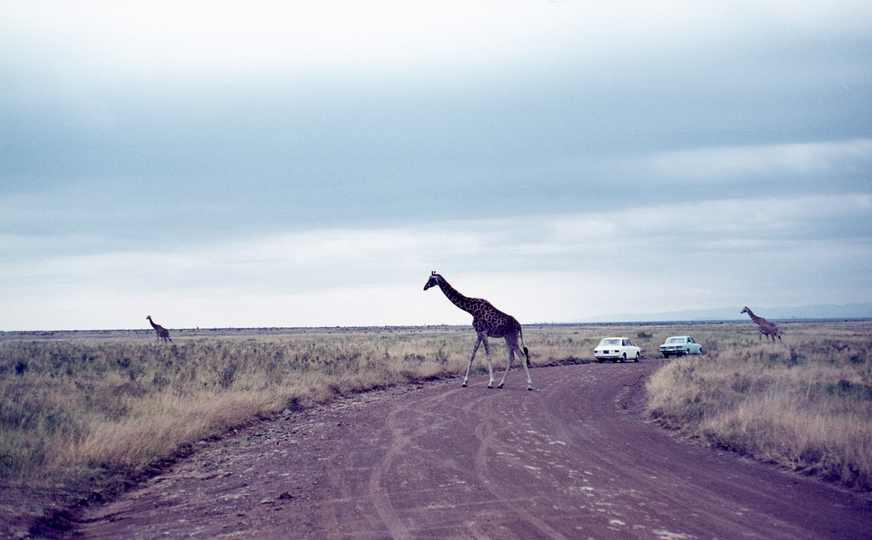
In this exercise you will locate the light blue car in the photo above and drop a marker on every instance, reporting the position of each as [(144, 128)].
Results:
[(679, 346)]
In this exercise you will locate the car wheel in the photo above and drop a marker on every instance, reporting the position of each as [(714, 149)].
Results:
[(700, 350), (665, 355), (637, 358), (600, 360), (624, 358)]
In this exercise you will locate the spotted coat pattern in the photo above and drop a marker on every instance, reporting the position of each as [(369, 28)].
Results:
[(766, 328), (488, 321), (162, 333)]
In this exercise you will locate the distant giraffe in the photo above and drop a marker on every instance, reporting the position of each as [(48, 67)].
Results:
[(766, 328), (487, 321), (161, 331)]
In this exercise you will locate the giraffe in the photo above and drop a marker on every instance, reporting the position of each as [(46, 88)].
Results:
[(766, 328), (161, 331), (488, 321)]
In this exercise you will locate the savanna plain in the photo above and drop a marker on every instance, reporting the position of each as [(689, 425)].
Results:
[(85, 415)]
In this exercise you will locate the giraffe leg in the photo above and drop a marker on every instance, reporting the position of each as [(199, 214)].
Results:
[(526, 370), (490, 365), (523, 359), (471, 358), (522, 356), (508, 365)]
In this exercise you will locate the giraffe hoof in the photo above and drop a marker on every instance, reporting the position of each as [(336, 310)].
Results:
[(500, 386), (529, 388), (463, 385), (490, 387)]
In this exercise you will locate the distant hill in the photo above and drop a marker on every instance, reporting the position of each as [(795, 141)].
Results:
[(823, 311)]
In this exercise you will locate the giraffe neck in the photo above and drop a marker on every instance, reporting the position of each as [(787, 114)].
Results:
[(456, 298), (755, 318)]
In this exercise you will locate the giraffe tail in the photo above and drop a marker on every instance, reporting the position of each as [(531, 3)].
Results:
[(524, 347)]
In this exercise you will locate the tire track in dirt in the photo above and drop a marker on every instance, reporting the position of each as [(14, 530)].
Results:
[(426, 416), (380, 496), (486, 432), (573, 459), (402, 443)]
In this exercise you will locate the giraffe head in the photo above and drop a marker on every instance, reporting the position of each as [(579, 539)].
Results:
[(746, 310), (433, 281)]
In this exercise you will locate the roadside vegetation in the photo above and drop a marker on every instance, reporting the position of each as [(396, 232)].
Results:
[(84, 414), (804, 403), (87, 412)]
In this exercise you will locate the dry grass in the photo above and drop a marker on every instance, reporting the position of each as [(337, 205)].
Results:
[(86, 410), (805, 403), (85, 413)]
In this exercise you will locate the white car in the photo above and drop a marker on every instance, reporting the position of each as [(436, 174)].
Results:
[(679, 346), (616, 348)]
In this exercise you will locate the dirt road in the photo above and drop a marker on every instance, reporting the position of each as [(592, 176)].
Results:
[(572, 459)]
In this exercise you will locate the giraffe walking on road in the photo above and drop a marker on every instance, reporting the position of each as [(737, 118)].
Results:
[(488, 321), (766, 328), (161, 331)]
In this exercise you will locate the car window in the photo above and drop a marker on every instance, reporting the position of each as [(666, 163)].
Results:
[(611, 342)]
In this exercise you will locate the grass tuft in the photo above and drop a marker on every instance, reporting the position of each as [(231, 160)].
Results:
[(805, 404)]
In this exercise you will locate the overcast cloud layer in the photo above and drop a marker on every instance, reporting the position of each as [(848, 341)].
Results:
[(306, 164)]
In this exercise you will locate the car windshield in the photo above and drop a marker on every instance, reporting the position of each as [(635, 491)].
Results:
[(675, 340), (610, 342)]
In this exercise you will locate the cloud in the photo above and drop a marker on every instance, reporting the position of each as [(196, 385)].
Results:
[(106, 44), (553, 268), (557, 157), (227, 40), (731, 163)]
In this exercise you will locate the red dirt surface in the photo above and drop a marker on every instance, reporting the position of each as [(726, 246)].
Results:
[(572, 459)]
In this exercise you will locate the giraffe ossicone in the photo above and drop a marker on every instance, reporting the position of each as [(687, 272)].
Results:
[(488, 321)]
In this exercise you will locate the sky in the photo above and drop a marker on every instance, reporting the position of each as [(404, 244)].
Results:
[(272, 164)]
